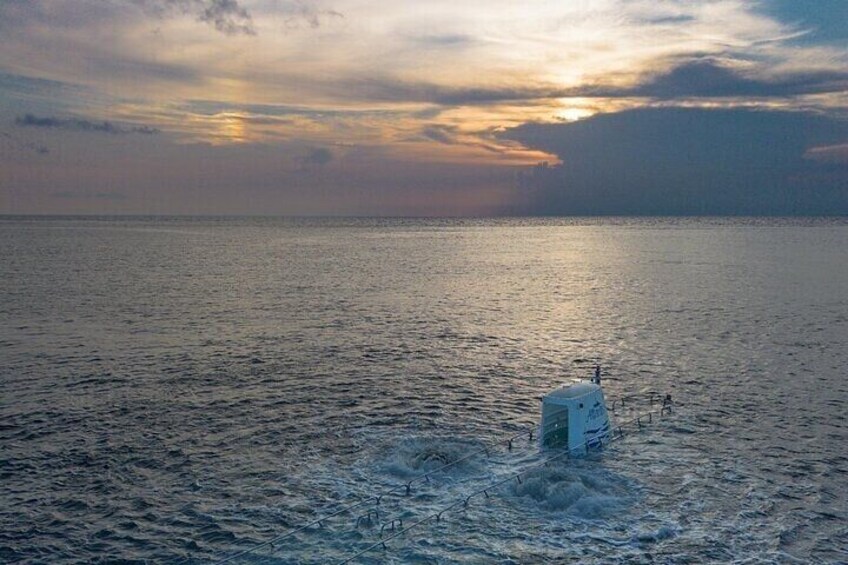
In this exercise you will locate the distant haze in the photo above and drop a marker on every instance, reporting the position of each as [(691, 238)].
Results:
[(313, 107)]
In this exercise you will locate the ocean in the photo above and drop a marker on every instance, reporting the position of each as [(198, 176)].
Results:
[(182, 390)]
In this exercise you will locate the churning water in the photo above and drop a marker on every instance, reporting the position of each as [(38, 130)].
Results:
[(178, 390)]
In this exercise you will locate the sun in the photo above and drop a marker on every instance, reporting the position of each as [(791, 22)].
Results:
[(573, 114)]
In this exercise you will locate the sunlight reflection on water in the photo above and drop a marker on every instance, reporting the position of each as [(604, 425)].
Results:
[(188, 387)]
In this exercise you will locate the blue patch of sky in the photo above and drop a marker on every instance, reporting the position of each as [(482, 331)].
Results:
[(826, 20), (21, 94)]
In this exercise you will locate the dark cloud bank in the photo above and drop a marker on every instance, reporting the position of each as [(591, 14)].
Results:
[(675, 161), (709, 78)]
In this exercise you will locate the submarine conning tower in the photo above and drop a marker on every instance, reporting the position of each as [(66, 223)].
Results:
[(575, 417)]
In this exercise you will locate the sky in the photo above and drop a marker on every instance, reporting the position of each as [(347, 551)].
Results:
[(424, 108)]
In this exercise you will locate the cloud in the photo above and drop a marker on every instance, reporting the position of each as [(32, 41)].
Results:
[(388, 55), (316, 157), (448, 40), (73, 195), (452, 135), (836, 154), (825, 18), (301, 13), (131, 68), (440, 134), (29, 87), (212, 107), (226, 16), (670, 161), (710, 78), (375, 88), (76, 124), (696, 78), (27, 146), (429, 86)]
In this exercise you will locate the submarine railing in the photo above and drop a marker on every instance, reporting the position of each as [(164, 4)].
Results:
[(653, 397), (464, 501), (405, 488)]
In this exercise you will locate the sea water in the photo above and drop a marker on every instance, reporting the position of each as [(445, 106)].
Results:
[(183, 389)]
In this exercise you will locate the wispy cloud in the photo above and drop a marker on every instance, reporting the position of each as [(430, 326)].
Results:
[(24, 86), (76, 124), (385, 54), (440, 133), (316, 157), (226, 16), (300, 13), (317, 85), (835, 154), (23, 145), (82, 195)]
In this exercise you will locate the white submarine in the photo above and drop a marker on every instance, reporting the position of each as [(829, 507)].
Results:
[(574, 420), (574, 417)]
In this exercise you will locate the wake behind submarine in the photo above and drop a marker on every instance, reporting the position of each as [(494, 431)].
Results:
[(574, 421)]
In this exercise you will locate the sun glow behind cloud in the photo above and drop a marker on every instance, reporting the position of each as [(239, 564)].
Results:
[(358, 55), (430, 82)]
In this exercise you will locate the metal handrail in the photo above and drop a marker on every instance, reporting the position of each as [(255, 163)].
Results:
[(406, 488), (652, 397), (513, 476)]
